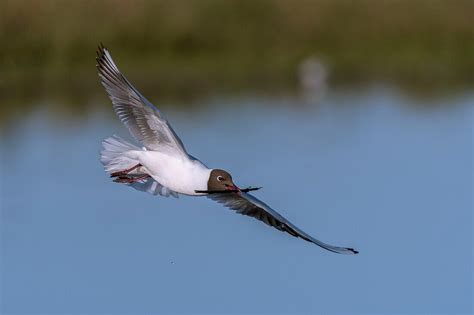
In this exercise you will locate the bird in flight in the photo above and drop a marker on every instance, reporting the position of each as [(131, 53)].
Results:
[(162, 166)]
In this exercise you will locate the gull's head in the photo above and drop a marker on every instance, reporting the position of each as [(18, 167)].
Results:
[(220, 180)]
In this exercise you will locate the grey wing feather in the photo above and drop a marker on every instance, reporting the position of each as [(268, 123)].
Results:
[(141, 117), (151, 186), (247, 204)]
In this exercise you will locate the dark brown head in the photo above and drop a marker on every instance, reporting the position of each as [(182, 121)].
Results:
[(220, 180)]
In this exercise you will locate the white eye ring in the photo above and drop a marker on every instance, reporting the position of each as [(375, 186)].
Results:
[(220, 178)]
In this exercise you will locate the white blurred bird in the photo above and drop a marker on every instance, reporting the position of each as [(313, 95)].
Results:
[(163, 166)]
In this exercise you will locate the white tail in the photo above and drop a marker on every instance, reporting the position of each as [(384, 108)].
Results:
[(113, 155)]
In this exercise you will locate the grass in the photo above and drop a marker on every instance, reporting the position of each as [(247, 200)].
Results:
[(204, 45)]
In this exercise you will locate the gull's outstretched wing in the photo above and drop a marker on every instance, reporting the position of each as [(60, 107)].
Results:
[(247, 204), (141, 117)]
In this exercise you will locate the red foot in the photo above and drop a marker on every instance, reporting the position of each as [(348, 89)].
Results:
[(125, 172)]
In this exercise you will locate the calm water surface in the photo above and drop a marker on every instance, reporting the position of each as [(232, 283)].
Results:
[(377, 171)]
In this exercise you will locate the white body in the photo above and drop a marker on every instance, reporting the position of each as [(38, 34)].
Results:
[(170, 173), (178, 173)]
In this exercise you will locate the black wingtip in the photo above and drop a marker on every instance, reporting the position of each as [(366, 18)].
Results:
[(100, 50), (99, 53), (352, 250)]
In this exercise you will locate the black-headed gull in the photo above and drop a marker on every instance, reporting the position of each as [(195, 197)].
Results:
[(164, 167)]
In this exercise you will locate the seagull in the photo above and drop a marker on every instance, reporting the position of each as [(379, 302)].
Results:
[(162, 166)]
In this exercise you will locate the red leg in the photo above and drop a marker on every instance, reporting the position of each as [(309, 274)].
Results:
[(125, 172)]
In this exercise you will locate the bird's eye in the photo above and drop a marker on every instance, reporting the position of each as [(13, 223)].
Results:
[(220, 178)]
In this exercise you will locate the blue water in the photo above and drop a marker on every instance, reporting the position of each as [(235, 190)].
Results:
[(387, 174)]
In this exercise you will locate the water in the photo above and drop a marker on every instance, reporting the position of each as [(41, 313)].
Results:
[(386, 174)]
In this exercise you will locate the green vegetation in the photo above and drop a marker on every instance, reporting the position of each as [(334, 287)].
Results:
[(201, 45)]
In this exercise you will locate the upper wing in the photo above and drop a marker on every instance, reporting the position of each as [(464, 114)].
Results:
[(141, 117), (247, 204)]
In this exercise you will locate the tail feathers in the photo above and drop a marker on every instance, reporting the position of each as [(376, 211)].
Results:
[(113, 155)]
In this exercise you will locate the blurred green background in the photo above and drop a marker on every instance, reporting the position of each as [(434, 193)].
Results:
[(185, 49)]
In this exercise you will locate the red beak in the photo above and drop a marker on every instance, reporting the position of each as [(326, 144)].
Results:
[(232, 187)]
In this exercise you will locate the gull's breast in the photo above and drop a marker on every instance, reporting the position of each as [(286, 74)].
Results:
[(177, 173)]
